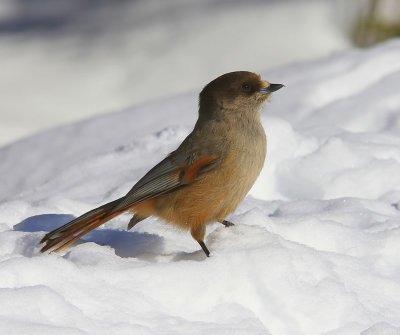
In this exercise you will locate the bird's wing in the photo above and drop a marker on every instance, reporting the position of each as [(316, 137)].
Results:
[(171, 173)]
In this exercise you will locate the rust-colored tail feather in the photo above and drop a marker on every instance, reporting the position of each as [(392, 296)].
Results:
[(63, 237)]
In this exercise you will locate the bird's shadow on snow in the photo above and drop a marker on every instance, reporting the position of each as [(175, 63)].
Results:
[(125, 243)]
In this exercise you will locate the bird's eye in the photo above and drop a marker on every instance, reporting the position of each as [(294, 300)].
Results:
[(246, 87)]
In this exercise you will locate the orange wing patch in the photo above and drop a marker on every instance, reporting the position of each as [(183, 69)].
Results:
[(202, 164)]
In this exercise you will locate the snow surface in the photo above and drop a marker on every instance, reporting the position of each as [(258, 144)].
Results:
[(316, 245), (112, 54)]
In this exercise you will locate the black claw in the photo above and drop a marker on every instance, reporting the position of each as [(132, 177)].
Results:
[(227, 223), (204, 247)]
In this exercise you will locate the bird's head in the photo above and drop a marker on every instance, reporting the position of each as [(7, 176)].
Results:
[(236, 91)]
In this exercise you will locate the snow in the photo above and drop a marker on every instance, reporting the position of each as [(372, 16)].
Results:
[(112, 55), (315, 248)]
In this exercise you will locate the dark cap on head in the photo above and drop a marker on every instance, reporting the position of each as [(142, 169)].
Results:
[(236, 90)]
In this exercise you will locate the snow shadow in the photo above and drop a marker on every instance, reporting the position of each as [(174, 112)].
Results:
[(43, 222), (128, 243), (125, 243)]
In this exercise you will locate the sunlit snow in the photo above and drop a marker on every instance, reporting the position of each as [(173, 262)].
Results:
[(315, 249)]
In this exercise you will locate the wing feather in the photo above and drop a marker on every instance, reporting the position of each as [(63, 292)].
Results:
[(170, 174)]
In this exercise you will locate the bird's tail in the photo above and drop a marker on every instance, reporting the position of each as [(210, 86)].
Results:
[(62, 238)]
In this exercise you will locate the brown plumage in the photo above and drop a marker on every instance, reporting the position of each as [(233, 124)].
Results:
[(206, 178)]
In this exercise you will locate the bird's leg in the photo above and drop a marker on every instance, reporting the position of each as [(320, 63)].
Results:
[(135, 219), (226, 223), (198, 232), (204, 247)]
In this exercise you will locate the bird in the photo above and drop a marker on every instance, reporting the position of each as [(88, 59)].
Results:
[(205, 178)]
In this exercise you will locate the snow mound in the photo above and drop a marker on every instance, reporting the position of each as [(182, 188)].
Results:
[(315, 248)]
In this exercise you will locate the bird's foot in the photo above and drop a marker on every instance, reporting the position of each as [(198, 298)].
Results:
[(227, 223), (135, 220), (204, 247)]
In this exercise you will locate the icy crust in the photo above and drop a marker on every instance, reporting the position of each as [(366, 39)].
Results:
[(315, 249)]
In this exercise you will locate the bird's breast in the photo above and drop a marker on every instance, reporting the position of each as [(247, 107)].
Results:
[(219, 191)]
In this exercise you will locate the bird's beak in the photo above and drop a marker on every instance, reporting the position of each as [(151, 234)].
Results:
[(271, 88)]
